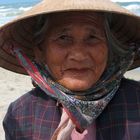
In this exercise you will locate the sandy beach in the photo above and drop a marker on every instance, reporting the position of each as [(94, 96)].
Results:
[(13, 85)]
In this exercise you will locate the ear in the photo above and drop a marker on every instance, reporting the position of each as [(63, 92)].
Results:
[(39, 56)]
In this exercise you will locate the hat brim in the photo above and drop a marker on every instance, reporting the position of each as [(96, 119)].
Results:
[(23, 26)]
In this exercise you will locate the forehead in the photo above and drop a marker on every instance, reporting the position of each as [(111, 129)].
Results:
[(68, 18)]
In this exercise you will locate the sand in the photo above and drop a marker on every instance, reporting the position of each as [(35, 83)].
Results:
[(14, 85)]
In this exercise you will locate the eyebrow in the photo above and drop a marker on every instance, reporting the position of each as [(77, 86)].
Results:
[(62, 30), (91, 29), (95, 30)]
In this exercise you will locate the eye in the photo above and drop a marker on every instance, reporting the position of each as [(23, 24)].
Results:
[(64, 39), (92, 39)]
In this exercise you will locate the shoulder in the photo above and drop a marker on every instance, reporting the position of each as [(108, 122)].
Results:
[(30, 102), (127, 84), (28, 112), (34, 96), (128, 96), (129, 90), (122, 115)]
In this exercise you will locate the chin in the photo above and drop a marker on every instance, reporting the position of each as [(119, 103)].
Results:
[(76, 85), (78, 88)]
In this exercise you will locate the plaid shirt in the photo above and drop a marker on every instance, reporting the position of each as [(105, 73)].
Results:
[(35, 116)]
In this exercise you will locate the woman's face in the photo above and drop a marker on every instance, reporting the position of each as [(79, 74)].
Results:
[(75, 50)]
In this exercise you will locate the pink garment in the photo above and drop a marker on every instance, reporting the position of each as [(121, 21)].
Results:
[(88, 134), (69, 132)]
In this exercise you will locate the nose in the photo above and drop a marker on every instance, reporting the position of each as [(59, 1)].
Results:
[(78, 52)]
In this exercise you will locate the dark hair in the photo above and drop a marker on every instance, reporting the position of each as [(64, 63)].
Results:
[(41, 28)]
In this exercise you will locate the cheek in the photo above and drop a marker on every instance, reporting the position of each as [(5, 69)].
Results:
[(54, 58), (100, 56), (55, 52)]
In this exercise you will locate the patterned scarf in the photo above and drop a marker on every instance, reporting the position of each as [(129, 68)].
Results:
[(88, 105), (85, 109)]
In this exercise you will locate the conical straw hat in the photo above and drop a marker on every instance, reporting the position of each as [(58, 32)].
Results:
[(21, 29)]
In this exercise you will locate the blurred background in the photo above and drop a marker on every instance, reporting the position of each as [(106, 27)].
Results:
[(13, 85)]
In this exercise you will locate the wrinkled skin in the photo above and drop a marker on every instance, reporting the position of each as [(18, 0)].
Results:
[(75, 49)]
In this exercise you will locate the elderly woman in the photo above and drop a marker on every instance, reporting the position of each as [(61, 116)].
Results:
[(76, 53)]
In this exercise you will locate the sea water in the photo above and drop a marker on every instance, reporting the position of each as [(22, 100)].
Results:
[(9, 9), (133, 6)]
